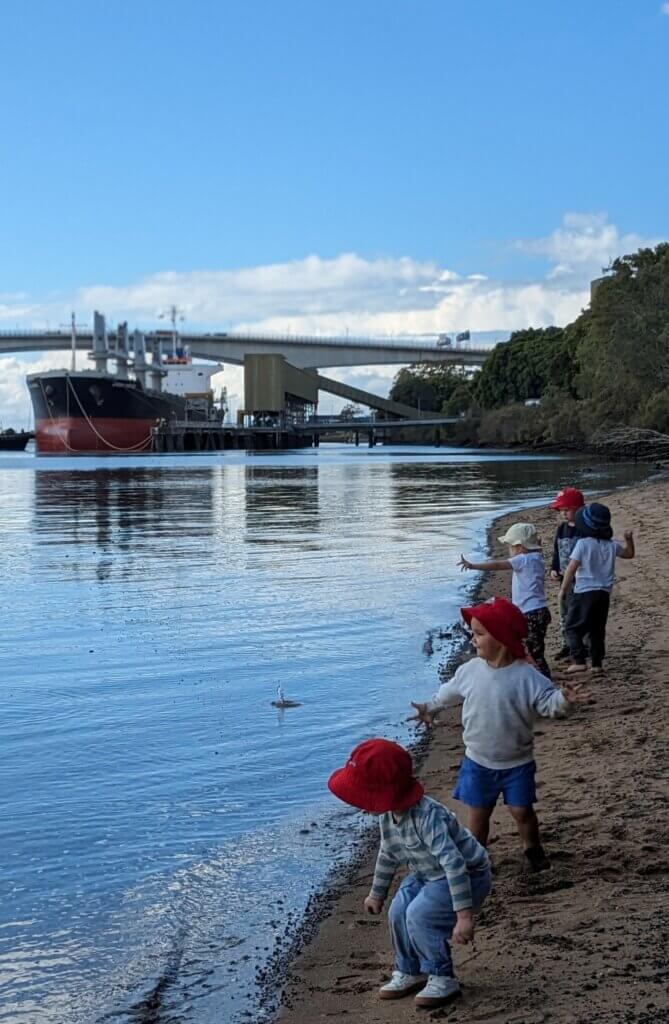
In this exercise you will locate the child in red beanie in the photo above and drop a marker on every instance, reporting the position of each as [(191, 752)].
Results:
[(502, 694), (567, 503), (449, 870)]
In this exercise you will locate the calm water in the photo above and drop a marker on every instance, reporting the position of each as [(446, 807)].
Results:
[(154, 807)]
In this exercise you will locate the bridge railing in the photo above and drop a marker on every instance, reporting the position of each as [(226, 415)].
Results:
[(348, 341)]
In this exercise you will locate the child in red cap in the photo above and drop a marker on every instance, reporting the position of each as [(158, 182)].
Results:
[(449, 870), (502, 694), (567, 503)]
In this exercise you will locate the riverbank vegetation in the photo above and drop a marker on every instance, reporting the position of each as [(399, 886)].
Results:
[(606, 370)]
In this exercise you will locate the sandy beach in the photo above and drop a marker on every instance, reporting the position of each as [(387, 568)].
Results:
[(587, 940)]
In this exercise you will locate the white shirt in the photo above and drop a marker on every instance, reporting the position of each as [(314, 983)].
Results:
[(499, 708), (597, 563), (527, 584)]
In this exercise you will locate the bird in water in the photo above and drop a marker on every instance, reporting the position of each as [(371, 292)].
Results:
[(282, 701)]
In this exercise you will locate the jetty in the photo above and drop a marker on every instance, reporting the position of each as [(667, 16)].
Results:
[(194, 437)]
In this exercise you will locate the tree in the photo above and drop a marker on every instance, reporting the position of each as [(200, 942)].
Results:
[(606, 370), (427, 386), (624, 353), (525, 366)]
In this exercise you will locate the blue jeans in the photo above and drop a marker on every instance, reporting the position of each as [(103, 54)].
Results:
[(422, 919)]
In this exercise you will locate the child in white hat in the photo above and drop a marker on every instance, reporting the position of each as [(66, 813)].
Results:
[(528, 591)]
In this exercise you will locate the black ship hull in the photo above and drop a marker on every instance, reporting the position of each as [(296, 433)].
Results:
[(92, 413), (14, 441)]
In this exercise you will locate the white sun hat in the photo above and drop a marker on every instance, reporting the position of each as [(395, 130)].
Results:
[(522, 533)]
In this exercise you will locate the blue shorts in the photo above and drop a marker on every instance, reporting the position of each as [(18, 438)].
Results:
[(480, 787)]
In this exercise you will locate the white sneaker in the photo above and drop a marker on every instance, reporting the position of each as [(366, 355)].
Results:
[(401, 984), (440, 989)]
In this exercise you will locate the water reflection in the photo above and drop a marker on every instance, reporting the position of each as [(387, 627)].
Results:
[(117, 519), (281, 505)]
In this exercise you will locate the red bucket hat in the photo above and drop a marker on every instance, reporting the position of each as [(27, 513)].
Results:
[(570, 497), (503, 620), (377, 777)]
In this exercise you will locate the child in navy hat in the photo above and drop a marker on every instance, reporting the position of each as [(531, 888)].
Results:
[(449, 871), (591, 570)]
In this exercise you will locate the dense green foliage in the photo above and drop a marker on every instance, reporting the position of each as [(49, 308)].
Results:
[(610, 367), (428, 386), (526, 366)]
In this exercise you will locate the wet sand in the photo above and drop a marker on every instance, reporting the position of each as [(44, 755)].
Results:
[(587, 940)]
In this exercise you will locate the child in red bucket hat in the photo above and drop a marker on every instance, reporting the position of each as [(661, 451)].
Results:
[(567, 503), (449, 870), (502, 694)]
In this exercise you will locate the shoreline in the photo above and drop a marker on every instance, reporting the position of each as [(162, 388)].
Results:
[(338, 958)]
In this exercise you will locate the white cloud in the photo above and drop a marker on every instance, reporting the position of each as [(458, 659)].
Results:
[(664, 8), (348, 292), (582, 245)]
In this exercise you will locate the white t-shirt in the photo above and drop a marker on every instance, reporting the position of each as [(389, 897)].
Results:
[(527, 585), (500, 707), (598, 563)]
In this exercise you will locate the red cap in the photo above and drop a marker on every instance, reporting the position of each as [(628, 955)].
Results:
[(570, 497), (503, 620), (377, 777)]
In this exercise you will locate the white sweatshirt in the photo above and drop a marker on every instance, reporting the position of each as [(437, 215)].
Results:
[(500, 706)]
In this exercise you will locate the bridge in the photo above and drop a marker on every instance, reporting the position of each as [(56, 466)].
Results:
[(306, 352)]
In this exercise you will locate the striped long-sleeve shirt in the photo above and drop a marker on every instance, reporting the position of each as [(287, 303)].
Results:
[(430, 840)]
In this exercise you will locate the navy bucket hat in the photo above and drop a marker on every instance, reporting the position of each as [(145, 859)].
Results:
[(594, 521)]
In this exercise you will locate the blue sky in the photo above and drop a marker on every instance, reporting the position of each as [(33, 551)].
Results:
[(430, 138)]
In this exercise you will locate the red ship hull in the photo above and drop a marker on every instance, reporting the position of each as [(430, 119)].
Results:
[(73, 435)]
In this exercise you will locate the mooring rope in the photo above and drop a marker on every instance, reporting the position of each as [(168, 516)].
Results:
[(109, 444)]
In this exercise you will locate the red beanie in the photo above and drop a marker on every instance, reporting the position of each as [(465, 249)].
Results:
[(570, 497), (503, 620)]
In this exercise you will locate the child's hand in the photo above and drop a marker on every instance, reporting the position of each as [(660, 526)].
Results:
[(464, 564), (422, 714), (574, 694), (464, 928), (373, 905), (628, 535), (555, 575)]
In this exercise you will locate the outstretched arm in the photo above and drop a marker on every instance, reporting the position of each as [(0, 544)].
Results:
[(554, 702), (448, 695), (628, 550), (494, 565)]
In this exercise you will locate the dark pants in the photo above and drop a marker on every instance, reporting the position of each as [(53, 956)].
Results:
[(537, 624), (564, 603), (587, 616)]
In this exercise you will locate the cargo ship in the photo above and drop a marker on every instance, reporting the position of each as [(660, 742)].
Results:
[(93, 412)]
